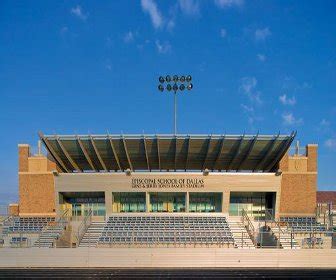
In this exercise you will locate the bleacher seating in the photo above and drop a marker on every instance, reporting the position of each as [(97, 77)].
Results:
[(303, 224), (18, 241), (26, 224), (166, 230)]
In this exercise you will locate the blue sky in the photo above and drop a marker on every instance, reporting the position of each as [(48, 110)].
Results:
[(92, 66)]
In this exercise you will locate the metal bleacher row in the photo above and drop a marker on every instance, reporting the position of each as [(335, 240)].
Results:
[(178, 230), (303, 224), (26, 224)]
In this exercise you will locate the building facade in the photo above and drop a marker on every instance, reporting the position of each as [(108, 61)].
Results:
[(167, 173)]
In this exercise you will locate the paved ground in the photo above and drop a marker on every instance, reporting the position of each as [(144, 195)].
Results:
[(167, 273)]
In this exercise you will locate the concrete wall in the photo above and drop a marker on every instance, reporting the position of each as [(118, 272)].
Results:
[(214, 182), (167, 258)]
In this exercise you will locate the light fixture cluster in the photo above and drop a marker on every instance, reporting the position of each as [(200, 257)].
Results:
[(175, 83)]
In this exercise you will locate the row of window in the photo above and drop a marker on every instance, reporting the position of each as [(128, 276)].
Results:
[(255, 204)]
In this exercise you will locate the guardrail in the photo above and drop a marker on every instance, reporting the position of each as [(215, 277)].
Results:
[(84, 226)]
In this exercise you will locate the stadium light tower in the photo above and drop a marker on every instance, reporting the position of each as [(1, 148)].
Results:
[(175, 84)]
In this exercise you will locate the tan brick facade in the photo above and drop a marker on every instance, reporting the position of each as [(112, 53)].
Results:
[(299, 183), (296, 193), (36, 184), (13, 209)]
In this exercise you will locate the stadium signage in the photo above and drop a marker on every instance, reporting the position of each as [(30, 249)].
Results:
[(167, 183)]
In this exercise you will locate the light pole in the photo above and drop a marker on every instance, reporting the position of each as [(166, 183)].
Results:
[(179, 83)]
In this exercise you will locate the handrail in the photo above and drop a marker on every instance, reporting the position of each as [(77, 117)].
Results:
[(54, 224), (82, 228), (249, 227), (270, 218)]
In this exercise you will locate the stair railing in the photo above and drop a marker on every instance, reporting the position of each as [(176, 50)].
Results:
[(62, 221), (84, 226), (270, 219), (249, 226)]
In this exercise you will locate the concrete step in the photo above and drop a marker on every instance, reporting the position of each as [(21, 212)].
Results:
[(92, 234)]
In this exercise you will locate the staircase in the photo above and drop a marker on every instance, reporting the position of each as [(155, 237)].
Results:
[(91, 236), (285, 238), (48, 236), (238, 230)]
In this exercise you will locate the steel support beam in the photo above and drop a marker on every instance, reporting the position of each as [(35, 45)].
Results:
[(87, 157), (220, 151), (207, 152), (115, 153), (69, 158), (268, 152), (283, 150), (145, 147), (250, 148), (53, 153), (127, 155), (158, 150), (236, 152), (97, 153), (187, 155)]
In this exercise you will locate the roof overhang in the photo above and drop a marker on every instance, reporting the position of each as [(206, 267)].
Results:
[(105, 153)]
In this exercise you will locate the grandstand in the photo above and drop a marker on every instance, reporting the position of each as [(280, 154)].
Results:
[(167, 191)]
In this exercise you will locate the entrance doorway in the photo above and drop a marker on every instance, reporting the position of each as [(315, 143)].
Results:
[(254, 203)]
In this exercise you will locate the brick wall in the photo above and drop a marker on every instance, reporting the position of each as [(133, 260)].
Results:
[(299, 183), (36, 184)]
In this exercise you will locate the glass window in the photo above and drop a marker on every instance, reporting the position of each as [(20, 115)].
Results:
[(254, 203), (129, 202), (205, 202), (167, 202)]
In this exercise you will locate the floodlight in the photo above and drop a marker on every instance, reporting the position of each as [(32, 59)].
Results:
[(175, 84), (160, 87)]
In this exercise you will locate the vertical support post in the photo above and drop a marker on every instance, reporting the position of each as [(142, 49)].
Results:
[(225, 202), (187, 202), (147, 202), (175, 113), (108, 202)]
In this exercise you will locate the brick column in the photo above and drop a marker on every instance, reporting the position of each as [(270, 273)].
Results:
[(24, 153), (311, 150)]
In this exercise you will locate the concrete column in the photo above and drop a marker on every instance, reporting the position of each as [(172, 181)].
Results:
[(226, 202), (187, 202), (277, 205), (108, 202), (147, 202)]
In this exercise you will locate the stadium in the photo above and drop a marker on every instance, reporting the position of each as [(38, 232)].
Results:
[(152, 191)]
